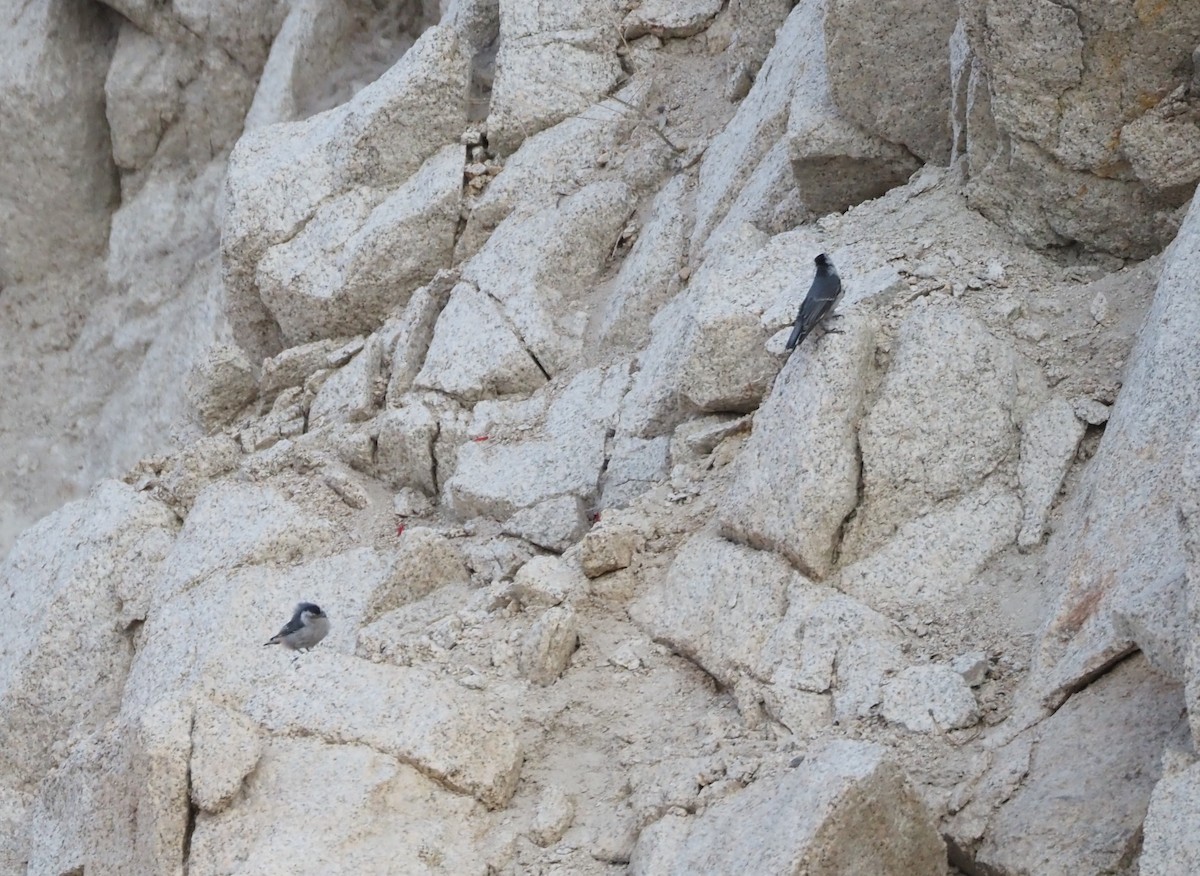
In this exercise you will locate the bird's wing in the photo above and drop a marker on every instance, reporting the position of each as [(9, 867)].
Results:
[(292, 626), (821, 296)]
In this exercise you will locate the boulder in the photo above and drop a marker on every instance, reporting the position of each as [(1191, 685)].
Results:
[(1040, 90), (361, 256), (1119, 550), (1072, 792), (796, 479), (58, 185), (889, 71), (280, 175), (553, 62), (717, 605), (76, 582), (848, 809), (540, 267), (475, 351), (498, 478), (945, 418)]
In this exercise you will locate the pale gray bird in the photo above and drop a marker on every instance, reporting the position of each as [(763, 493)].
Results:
[(307, 627), (824, 292)]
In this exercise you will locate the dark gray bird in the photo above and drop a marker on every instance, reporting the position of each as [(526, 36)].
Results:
[(824, 292), (307, 627)]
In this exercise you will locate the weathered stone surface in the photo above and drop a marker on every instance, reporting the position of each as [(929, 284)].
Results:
[(475, 352), (889, 71), (931, 559), (827, 644), (835, 163), (552, 63), (634, 466), (349, 394), (929, 699), (805, 438), (608, 547), (1119, 550), (226, 748), (360, 256), (295, 365), (943, 421), (549, 161), (669, 19), (222, 384), (497, 479), (65, 656), (554, 815), (545, 581), (57, 182), (650, 272), (1088, 778), (424, 561), (396, 814), (850, 809), (303, 53), (404, 452), (1040, 90), (1049, 440), (280, 175), (717, 605), (232, 524), (414, 333), (548, 645), (541, 288), (554, 524), (1170, 843)]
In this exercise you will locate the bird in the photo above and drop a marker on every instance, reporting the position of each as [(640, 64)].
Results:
[(824, 292), (307, 627)]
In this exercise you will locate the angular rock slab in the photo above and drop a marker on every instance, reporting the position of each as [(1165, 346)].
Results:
[(1172, 844), (357, 260), (553, 62), (797, 477), (848, 808), (1119, 551), (496, 478), (280, 175), (1089, 770), (944, 419), (72, 584), (475, 351), (445, 731), (717, 604), (388, 818)]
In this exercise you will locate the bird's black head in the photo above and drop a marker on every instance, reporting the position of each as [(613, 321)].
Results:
[(311, 607), (822, 261)]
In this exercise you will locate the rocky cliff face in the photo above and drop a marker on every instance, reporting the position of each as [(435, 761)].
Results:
[(466, 321)]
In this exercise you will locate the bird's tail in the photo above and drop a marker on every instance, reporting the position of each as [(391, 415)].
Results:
[(796, 337)]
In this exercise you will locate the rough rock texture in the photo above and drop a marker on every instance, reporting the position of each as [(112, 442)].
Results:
[(1044, 96), (805, 438), (466, 320), (1119, 553), (58, 183), (553, 62), (853, 812)]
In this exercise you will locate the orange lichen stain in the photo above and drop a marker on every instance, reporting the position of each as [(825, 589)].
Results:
[(1148, 11), (1148, 100), (1085, 607)]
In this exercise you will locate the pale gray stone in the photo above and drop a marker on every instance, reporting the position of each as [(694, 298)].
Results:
[(404, 453), (553, 62), (554, 524), (545, 581), (634, 466), (349, 395), (226, 748), (608, 547), (1050, 438), (848, 808), (554, 815), (929, 699), (1171, 843), (796, 479), (475, 351), (548, 645), (671, 19), (414, 333), (58, 184)]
